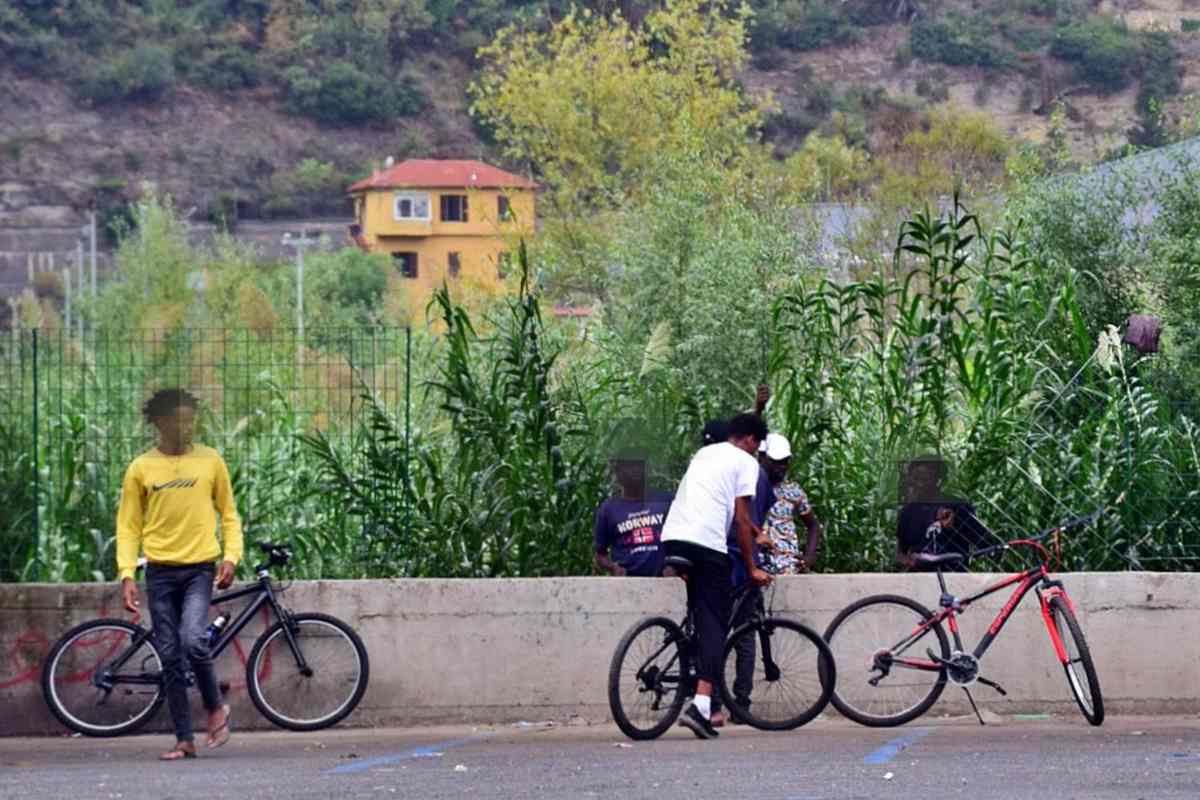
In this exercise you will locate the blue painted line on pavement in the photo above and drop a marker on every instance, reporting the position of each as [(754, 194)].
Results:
[(417, 752), (893, 748)]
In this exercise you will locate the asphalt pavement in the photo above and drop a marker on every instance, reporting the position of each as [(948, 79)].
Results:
[(1013, 758)]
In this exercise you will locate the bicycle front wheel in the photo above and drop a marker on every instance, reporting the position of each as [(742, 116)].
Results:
[(880, 645), (647, 678), (778, 674), (314, 686), (1081, 672), (103, 678)]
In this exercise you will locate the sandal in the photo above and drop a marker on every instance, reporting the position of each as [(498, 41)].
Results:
[(221, 735), (178, 753)]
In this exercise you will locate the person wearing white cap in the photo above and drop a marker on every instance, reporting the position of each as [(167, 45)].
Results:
[(791, 502)]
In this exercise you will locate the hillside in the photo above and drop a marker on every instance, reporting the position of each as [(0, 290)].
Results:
[(268, 108)]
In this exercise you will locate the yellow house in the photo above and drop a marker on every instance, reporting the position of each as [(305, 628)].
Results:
[(444, 220)]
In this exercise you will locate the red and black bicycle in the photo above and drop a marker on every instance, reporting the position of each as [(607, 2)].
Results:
[(894, 658)]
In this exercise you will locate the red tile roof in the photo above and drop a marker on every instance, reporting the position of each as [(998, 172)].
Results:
[(419, 173)]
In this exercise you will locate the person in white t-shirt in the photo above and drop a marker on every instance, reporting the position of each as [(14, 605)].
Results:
[(716, 491)]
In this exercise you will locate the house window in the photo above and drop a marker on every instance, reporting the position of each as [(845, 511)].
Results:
[(455, 263), (503, 264), (411, 205), (503, 210), (406, 264), (454, 208)]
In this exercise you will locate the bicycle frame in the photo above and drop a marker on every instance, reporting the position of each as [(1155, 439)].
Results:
[(686, 625), (1036, 578), (264, 595)]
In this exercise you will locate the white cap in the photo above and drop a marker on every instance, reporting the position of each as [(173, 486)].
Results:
[(776, 447)]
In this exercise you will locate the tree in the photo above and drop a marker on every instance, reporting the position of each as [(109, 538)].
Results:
[(828, 167), (952, 147), (594, 101)]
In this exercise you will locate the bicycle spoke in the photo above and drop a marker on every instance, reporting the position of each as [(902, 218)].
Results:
[(781, 692), (304, 696), (647, 679), (75, 667), (872, 688)]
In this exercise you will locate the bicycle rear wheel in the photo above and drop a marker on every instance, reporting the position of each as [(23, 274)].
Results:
[(868, 639), (322, 692), (98, 683), (647, 678), (1085, 686), (785, 677)]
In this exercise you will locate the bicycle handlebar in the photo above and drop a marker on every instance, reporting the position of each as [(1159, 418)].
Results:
[(277, 555)]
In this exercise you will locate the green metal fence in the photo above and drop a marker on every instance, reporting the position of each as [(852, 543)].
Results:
[(70, 422)]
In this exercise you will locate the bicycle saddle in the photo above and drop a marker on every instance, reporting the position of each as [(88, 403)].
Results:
[(678, 563), (942, 558)]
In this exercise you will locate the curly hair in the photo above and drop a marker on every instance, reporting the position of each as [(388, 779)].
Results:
[(165, 401)]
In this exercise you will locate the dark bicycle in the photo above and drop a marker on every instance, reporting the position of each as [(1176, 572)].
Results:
[(791, 676), (305, 672), (896, 658)]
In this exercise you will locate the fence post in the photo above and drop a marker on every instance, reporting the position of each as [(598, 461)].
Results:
[(407, 443), (37, 470)]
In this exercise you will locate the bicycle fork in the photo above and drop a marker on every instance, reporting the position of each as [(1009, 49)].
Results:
[(770, 669), (1054, 589)]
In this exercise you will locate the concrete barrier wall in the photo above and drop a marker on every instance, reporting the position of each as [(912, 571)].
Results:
[(505, 650)]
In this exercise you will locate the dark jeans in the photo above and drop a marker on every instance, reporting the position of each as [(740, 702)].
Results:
[(708, 596), (179, 600), (747, 648)]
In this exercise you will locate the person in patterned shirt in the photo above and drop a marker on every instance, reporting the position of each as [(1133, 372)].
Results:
[(785, 557)]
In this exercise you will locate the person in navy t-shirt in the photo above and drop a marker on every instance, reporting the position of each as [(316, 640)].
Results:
[(629, 526)]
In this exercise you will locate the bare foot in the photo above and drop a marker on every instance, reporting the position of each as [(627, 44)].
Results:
[(718, 719), (180, 751), (218, 727)]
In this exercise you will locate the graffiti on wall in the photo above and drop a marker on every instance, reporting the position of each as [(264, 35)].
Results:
[(22, 659)]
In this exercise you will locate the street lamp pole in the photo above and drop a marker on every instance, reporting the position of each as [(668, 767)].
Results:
[(300, 243)]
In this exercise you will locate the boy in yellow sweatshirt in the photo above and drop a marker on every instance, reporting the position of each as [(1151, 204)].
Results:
[(170, 499)]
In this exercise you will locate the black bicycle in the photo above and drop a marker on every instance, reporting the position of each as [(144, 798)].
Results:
[(305, 672), (786, 679)]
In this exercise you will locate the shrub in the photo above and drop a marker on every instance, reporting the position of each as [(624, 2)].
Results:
[(1040, 8), (229, 68), (48, 285), (1025, 37), (869, 12), (784, 124), (144, 74), (957, 41), (820, 100), (40, 53), (822, 26), (1159, 66), (223, 212), (347, 95), (767, 59), (1103, 52)]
